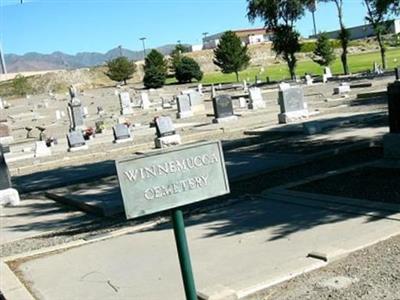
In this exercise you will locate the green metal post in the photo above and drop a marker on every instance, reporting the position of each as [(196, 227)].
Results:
[(183, 253)]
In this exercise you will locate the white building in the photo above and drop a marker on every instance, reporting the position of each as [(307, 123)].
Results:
[(248, 37), (364, 31)]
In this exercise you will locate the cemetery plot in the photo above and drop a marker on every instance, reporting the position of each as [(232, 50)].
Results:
[(378, 184)]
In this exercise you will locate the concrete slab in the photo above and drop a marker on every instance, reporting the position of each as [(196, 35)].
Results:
[(103, 196), (35, 217), (244, 248)]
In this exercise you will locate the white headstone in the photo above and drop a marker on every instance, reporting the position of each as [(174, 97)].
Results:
[(58, 115), (245, 87), (256, 100), (1, 104), (327, 72), (145, 102), (242, 102), (125, 103), (41, 149), (283, 86), (200, 88), (343, 88), (85, 112), (309, 80)]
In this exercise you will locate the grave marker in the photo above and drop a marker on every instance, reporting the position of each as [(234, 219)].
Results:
[(184, 108), (292, 106), (125, 103), (223, 109), (121, 133), (166, 134), (196, 102), (76, 141), (75, 115), (255, 98), (391, 141)]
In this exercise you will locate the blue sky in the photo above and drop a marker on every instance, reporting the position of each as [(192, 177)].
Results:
[(73, 26)]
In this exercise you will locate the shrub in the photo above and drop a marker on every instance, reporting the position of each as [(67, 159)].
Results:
[(21, 86), (187, 69)]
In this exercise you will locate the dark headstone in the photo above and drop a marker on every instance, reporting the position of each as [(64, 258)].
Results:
[(291, 99), (75, 139), (121, 132), (397, 73), (5, 179), (223, 107), (164, 126), (394, 106)]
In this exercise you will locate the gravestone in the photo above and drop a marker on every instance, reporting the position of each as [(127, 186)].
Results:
[(58, 115), (125, 103), (5, 178), (309, 80), (1, 104), (8, 195), (41, 149), (213, 92), (397, 73), (223, 109), (255, 98), (85, 112), (165, 104), (328, 72), (242, 102), (283, 86), (196, 102), (5, 133), (122, 133), (76, 115), (292, 106), (145, 102), (245, 87), (200, 88), (166, 134), (76, 141), (391, 141), (184, 108), (343, 88), (72, 91)]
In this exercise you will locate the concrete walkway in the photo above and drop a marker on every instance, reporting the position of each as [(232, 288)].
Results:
[(236, 250)]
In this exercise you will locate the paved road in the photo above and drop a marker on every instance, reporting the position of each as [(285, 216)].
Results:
[(242, 248)]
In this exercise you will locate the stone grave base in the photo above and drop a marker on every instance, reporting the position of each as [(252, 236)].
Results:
[(80, 148), (225, 119), (198, 108), (391, 145), (120, 141), (6, 140), (184, 114), (127, 111), (257, 105), (168, 141), (293, 116), (41, 150), (9, 197)]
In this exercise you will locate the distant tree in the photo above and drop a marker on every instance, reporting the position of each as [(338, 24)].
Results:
[(188, 69), (280, 16), (324, 51), (120, 69), (21, 86), (155, 70), (344, 35), (377, 12), (230, 55)]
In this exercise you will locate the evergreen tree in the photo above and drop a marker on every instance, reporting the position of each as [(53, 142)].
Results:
[(120, 69), (324, 51), (230, 55), (187, 69), (155, 70)]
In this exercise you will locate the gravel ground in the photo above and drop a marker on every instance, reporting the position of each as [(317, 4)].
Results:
[(374, 184), (369, 274)]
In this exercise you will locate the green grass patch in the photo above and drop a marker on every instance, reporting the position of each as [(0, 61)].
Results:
[(357, 63)]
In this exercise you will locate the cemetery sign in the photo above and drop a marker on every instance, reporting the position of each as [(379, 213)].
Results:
[(172, 178)]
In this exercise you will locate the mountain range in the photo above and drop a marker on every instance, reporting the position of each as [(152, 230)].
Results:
[(33, 61)]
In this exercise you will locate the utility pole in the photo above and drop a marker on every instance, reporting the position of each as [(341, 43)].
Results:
[(2, 61), (313, 7), (120, 50), (144, 47)]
